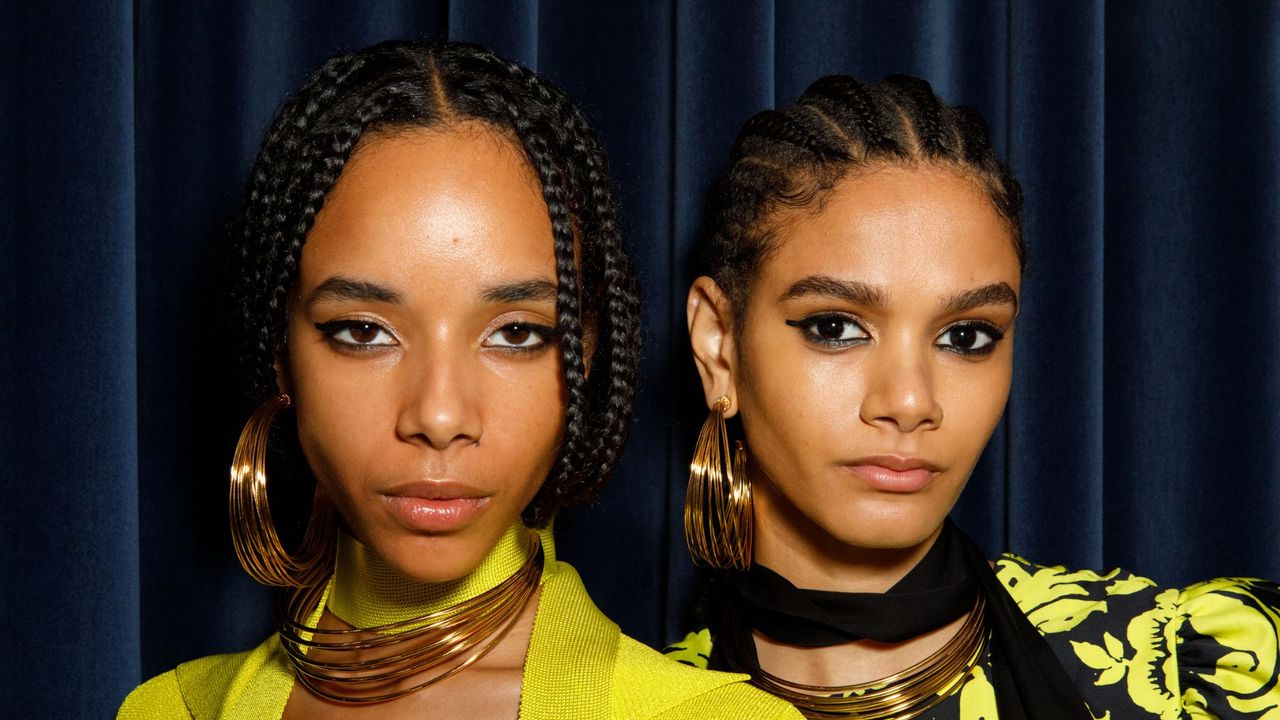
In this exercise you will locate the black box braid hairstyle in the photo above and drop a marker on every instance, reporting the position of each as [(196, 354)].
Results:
[(789, 158), (404, 84)]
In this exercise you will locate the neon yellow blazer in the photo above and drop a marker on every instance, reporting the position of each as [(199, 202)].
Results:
[(580, 665)]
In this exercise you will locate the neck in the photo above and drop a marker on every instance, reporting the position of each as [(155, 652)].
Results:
[(792, 545), (367, 592)]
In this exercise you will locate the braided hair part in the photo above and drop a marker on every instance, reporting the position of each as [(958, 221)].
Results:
[(791, 157), (402, 84)]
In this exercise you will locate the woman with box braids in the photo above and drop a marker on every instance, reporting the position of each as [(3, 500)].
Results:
[(863, 267), (383, 88), (429, 274)]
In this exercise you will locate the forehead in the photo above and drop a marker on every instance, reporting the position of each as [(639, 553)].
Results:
[(462, 200), (926, 228)]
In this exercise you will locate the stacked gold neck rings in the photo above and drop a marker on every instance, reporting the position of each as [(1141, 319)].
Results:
[(370, 665), (902, 696)]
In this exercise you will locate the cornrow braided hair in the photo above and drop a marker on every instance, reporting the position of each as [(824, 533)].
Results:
[(789, 158), (401, 84)]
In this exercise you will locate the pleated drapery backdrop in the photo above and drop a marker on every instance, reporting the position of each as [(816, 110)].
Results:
[(1141, 431)]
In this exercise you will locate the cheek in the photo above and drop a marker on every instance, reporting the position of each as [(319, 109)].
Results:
[(345, 410), (796, 404), (523, 407), (973, 399)]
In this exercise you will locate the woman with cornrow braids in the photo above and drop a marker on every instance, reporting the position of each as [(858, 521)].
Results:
[(440, 329), (863, 271)]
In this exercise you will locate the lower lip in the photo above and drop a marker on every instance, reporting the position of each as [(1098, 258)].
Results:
[(434, 516), (895, 481)]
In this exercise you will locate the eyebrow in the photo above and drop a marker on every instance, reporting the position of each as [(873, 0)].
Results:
[(860, 293), (522, 291), (854, 291), (993, 294), (338, 287), (344, 288)]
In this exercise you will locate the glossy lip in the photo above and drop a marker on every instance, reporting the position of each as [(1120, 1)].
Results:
[(435, 506), (894, 473)]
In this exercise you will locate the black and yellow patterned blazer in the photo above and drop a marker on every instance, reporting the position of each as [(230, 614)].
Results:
[(1135, 650)]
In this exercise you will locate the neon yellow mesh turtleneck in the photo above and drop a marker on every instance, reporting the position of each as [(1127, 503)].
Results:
[(367, 592), (579, 663)]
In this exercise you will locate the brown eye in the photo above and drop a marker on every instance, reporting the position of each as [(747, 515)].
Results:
[(519, 336), (964, 337), (357, 333), (831, 330), (364, 333), (516, 334), (970, 338)]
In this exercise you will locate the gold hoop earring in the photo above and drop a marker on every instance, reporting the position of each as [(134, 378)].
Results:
[(257, 545), (717, 507)]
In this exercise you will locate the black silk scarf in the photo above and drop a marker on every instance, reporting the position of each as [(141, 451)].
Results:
[(1030, 683)]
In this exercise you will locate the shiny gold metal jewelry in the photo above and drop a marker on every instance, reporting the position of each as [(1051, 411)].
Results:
[(254, 535), (901, 696), (366, 665), (717, 506)]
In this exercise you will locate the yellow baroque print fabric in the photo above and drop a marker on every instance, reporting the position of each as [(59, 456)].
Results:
[(1142, 651), (1135, 650)]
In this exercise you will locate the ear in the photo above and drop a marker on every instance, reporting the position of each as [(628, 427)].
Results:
[(284, 382), (710, 319)]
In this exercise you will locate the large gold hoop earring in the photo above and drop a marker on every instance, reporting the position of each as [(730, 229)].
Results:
[(257, 545), (717, 507)]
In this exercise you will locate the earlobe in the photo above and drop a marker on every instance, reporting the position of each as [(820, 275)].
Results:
[(711, 335)]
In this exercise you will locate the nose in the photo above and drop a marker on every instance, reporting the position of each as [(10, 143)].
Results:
[(900, 392), (440, 406)]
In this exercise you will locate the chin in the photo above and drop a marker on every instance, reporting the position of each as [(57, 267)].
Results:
[(883, 530), (433, 558)]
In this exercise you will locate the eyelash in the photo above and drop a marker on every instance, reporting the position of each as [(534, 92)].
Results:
[(545, 333), (807, 326), (995, 333), (332, 328)]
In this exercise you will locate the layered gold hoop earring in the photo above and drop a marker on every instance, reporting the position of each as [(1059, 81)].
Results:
[(717, 507), (254, 535)]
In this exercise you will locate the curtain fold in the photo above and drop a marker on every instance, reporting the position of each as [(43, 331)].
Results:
[(1192, 295), (1055, 133), (69, 523), (620, 71), (1140, 428)]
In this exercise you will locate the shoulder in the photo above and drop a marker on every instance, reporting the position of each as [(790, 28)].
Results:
[(1057, 600), (1212, 647), (648, 684), (160, 697), (1229, 646), (202, 688)]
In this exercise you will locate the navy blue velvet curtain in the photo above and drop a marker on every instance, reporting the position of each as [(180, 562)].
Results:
[(1141, 428)]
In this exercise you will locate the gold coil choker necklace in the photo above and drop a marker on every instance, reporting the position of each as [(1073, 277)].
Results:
[(381, 663), (902, 696)]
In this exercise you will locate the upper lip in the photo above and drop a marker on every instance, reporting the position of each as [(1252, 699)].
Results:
[(436, 490), (898, 463)]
